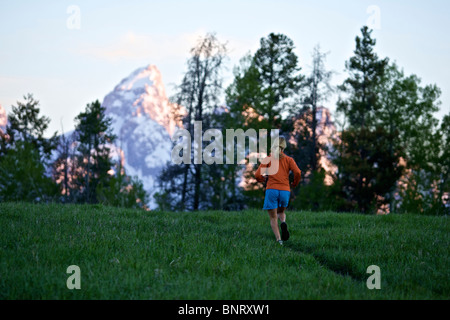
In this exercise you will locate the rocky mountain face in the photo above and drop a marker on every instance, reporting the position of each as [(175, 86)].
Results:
[(143, 120)]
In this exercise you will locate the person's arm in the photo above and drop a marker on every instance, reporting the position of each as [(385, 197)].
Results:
[(297, 173), (258, 174)]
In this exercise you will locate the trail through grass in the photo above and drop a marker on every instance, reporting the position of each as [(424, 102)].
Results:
[(130, 254)]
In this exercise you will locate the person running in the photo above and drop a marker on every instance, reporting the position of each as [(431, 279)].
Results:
[(278, 189)]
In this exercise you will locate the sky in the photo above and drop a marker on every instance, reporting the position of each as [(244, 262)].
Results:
[(70, 53)]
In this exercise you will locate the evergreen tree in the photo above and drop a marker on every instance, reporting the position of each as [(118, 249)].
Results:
[(366, 71), (261, 96), (94, 136), (244, 97), (25, 124), (85, 169), (367, 169), (23, 176), (122, 190), (24, 155), (278, 77)]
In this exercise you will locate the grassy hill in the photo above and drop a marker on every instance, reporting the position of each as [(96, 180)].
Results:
[(130, 254)]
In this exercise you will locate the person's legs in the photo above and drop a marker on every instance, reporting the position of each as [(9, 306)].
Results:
[(271, 204), (274, 223), (284, 229), (281, 214), (282, 205)]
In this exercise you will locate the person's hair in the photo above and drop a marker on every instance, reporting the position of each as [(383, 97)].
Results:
[(281, 143)]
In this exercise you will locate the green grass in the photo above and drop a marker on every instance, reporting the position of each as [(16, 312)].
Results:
[(130, 254)]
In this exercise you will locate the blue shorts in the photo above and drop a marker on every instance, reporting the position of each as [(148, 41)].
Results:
[(275, 199)]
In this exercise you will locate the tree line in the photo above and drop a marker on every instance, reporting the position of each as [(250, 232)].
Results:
[(70, 168), (389, 153)]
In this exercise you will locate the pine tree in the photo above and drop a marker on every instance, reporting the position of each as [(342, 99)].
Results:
[(278, 76), (94, 136), (25, 124), (366, 173), (366, 71), (261, 96), (122, 190), (367, 169), (24, 155), (23, 176)]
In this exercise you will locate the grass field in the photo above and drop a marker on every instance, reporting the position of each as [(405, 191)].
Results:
[(130, 254)]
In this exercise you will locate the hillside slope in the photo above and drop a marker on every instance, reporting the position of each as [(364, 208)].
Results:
[(129, 254)]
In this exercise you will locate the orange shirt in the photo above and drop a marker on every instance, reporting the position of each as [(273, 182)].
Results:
[(280, 180)]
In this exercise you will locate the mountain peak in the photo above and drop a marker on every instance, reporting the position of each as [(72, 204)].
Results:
[(143, 120), (140, 78), (143, 93)]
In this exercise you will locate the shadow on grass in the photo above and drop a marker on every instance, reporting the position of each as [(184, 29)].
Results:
[(336, 264)]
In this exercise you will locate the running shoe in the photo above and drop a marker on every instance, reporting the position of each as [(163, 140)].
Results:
[(284, 232)]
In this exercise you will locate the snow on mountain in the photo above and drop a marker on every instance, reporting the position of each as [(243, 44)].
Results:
[(143, 121), (142, 93)]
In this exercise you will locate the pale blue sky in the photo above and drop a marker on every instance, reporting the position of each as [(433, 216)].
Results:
[(67, 68)]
